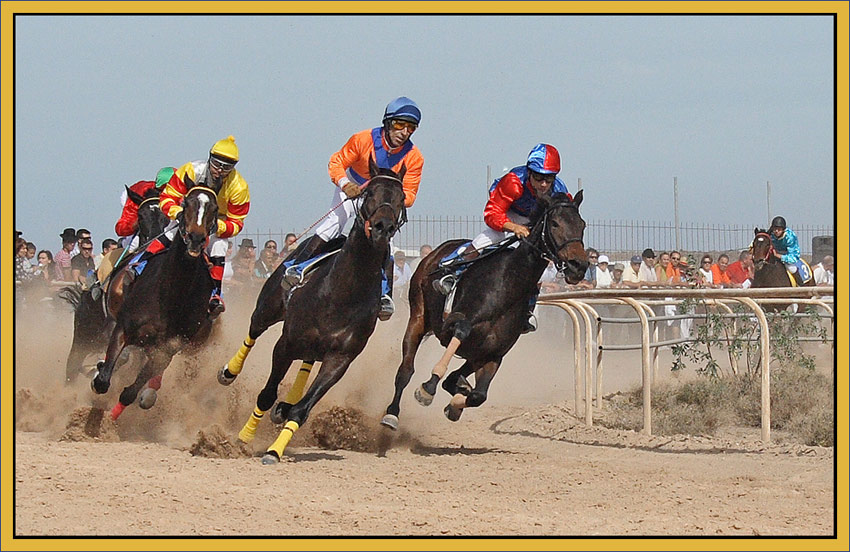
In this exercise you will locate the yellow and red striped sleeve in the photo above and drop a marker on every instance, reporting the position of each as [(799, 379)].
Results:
[(171, 198), (234, 202)]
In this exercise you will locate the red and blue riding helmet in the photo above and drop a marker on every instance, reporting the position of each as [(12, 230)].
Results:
[(544, 159)]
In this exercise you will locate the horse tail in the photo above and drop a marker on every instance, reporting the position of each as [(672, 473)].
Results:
[(72, 294)]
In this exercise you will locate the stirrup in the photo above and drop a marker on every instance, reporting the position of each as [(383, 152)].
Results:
[(445, 284), (292, 276), (530, 324), (387, 308)]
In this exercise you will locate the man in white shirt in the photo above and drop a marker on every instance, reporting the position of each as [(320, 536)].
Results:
[(824, 271)]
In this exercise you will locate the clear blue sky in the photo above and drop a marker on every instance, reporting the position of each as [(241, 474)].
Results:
[(724, 103)]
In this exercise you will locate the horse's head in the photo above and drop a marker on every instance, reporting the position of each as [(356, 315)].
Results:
[(152, 221), (199, 218), (382, 210), (761, 248), (558, 233)]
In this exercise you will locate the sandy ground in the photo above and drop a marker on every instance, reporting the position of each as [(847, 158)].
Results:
[(521, 464)]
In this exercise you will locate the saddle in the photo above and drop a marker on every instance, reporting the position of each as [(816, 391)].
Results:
[(803, 275)]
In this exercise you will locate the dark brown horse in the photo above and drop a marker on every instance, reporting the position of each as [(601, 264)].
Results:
[(770, 271), (330, 317), (490, 305), (167, 306), (94, 317)]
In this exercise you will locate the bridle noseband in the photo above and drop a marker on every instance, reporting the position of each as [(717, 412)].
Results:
[(550, 249), (362, 218)]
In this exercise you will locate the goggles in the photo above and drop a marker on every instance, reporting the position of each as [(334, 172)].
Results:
[(221, 165), (548, 178), (398, 124)]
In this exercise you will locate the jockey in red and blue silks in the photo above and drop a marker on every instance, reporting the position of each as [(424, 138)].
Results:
[(513, 198)]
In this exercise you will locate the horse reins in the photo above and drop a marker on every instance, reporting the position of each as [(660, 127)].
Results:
[(550, 249), (401, 219)]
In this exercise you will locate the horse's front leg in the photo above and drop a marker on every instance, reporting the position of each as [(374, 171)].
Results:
[(466, 397), (117, 342), (281, 360), (410, 345), (332, 369), (269, 310)]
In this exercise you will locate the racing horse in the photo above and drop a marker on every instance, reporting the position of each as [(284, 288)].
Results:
[(167, 306), (490, 305), (769, 271), (94, 318), (330, 317)]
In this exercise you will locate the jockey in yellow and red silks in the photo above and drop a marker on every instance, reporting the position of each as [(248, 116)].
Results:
[(217, 172)]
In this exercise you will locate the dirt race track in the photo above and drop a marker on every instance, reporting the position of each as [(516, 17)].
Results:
[(521, 464)]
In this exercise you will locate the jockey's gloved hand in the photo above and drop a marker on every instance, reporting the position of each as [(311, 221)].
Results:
[(179, 216), (351, 189)]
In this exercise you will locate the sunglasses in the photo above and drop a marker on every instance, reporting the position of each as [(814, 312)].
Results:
[(87, 248), (398, 124), (675, 258), (706, 262), (220, 165), (593, 257), (548, 178)]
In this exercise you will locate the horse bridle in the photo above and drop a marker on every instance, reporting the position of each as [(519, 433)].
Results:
[(769, 249), (361, 217), (550, 249), (182, 226)]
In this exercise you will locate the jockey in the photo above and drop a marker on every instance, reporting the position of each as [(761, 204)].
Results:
[(785, 245), (348, 168), (513, 198), (216, 172), (127, 225)]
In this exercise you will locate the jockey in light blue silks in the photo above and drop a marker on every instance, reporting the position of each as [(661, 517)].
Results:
[(785, 244), (787, 249)]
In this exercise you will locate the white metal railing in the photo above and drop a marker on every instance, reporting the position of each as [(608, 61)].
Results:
[(640, 300)]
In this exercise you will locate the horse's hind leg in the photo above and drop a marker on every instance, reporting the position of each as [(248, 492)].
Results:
[(333, 368), (465, 397), (412, 339), (269, 310), (425, 393), (268, 395)]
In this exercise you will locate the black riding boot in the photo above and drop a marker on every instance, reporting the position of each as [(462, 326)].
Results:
[(387, 305), (303, 252)]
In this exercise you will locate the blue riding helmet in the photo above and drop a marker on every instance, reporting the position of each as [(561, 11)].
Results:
[(544, 159), (402, 108)]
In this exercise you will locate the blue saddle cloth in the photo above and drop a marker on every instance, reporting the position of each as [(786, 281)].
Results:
[(452, 263)]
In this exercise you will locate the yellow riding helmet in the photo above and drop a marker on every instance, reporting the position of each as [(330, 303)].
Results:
[(226, 149)]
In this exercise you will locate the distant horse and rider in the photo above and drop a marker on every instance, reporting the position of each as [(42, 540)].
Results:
[(166, 308), (96, 309), (330, 315)]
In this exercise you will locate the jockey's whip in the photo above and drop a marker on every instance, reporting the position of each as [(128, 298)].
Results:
[(332, 209)]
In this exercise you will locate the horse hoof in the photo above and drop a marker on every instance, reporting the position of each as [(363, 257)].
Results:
[(423, 397), (390, 421), (147, 398), (279, 413), (270, 458), (225, 377), (452, 413), (98, 386)]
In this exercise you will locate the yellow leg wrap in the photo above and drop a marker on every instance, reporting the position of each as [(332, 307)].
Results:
[(297, 389), (234, 366), (283, 439), (249, 430)]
